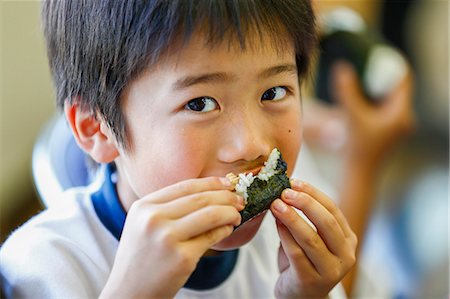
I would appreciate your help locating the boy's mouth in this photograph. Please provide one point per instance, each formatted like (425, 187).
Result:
(261, 185)
(234, 176)
(255, 171)
(246, 170)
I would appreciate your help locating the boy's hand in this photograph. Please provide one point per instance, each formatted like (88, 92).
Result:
(167, 232)
(311, 263)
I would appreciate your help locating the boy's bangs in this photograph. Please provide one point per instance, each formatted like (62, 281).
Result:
(248, 24)
(244, 24)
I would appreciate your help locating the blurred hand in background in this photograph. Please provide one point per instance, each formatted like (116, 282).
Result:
(362, 133)
(355, 126)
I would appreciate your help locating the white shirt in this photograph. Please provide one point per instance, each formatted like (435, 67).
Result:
(66, 251)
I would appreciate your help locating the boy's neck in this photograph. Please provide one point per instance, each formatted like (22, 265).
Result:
(211, 252)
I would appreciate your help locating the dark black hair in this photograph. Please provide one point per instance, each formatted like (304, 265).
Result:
(97, 47)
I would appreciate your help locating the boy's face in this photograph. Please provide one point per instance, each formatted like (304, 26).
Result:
(206, 111)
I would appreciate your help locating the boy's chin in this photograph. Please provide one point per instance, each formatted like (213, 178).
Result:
(241, 235)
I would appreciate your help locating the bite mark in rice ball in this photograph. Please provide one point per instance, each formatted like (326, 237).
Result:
(261, 190)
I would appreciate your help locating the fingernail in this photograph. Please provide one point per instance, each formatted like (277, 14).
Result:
(289, 193)
(280, 206)
(296, 183)
(226, 182)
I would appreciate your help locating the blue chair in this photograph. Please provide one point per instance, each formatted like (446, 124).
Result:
(57, 161)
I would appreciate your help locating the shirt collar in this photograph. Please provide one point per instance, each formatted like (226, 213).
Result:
(107, 204)
(210, 272)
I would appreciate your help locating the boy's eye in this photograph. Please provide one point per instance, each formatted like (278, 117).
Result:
(274, 94)
(203, 104)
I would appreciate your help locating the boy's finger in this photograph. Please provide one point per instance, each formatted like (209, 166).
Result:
(283, 261)
(188, 204)
(325, 222)
(303, 234)
(205, 241)
(295, 254)
(206, 219)
(325, 201)
(187, 187)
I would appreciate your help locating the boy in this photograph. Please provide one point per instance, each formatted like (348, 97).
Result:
(173, 95)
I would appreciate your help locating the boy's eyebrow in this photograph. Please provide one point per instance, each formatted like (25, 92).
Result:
(275, 70)
(189, 81)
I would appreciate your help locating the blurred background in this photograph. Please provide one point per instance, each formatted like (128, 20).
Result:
(26, 103)
(405, 253)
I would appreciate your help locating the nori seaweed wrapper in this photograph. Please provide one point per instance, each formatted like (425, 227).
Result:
(262, 193)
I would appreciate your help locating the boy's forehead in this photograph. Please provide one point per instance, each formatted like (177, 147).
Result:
(200, 45)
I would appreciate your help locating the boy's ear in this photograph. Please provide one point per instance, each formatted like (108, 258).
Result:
(91, 134)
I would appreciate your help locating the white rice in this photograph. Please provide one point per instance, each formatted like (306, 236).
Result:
(245, 180)
(269, 166)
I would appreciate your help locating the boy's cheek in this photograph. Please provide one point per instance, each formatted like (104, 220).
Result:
(175, 163)
(290, 135)
(290, 145)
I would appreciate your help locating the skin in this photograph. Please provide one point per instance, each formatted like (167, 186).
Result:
(171, 182)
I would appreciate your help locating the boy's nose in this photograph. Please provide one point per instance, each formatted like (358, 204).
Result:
(246, 139)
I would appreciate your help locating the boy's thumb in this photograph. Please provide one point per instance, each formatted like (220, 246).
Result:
(346, 86)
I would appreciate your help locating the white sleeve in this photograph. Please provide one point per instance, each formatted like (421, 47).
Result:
(337, 292)
(36, 264)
